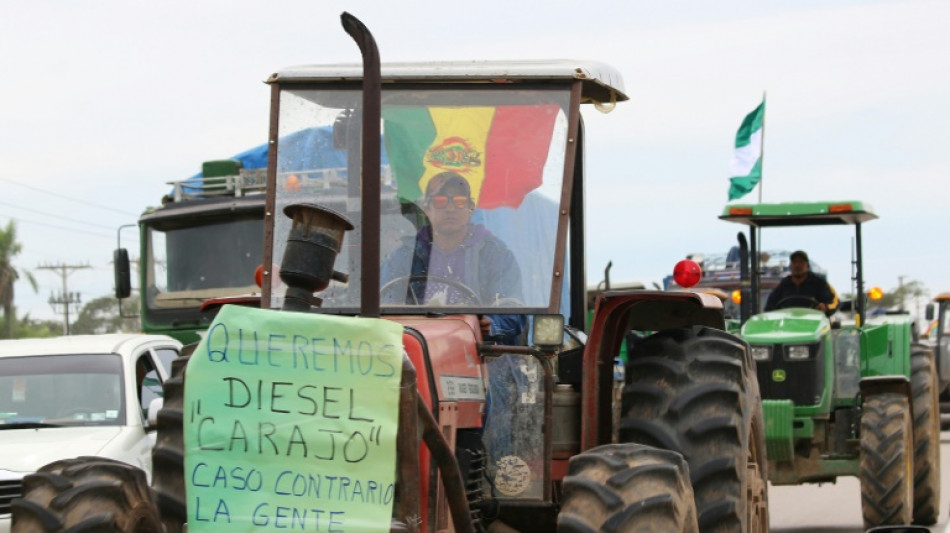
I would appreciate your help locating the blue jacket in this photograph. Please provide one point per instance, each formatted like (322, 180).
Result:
(487, 267)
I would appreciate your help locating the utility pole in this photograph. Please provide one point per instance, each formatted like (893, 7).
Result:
(65, 298)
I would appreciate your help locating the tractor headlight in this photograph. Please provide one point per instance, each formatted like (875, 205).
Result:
(761, 353)
(548, 331)
(797, 353)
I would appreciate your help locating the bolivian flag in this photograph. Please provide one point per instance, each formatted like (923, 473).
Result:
(501, 150)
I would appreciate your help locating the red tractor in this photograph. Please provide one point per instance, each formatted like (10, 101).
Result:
(464, 184)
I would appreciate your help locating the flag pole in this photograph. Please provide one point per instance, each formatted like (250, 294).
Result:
(762, 154)
(757, 259)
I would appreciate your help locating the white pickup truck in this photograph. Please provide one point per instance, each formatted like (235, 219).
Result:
(82, 395)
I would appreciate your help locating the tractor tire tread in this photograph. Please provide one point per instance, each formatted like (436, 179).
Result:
(168, 455)
(886, 445)
(926, 408)
(626, 488)
(704, 412)
(86, 495)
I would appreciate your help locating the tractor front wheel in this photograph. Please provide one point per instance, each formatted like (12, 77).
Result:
(627, 488)
(86, 494)
(926, 435)
(168, 455)
(887, 460)
(694, 391)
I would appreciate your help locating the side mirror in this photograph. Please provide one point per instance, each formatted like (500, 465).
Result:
(123, 277)
(929, 312)
(153, 408)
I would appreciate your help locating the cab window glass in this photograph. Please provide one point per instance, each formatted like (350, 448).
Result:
(166, 356)
(147, 381)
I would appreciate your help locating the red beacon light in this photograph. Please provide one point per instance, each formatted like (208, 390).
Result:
(687, 273)
(259, 275)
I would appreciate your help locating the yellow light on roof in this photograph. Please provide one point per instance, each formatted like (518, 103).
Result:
(876, 293)
(737, 296)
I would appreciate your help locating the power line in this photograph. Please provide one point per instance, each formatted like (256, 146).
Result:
(58, 217)
(51, 193)
(54, 226)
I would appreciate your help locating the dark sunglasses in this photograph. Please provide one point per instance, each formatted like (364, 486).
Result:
(442, 201)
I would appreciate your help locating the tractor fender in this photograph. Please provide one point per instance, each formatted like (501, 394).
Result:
(658, 310)
(879, 384)
(615, 314)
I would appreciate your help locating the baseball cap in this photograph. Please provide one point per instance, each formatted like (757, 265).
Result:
(442, 181)
(798, 254)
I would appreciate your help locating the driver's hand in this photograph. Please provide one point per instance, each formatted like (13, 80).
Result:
(822, 307)
(485, 325)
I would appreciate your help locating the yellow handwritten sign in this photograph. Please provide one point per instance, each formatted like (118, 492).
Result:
(290, 423)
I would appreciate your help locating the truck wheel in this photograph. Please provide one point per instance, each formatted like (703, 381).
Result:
(887, 465)
(620, 488)
(694, 391)
(926, 435)
(168, 455)
(86, 494)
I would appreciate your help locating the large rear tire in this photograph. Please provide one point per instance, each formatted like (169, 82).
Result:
(926, 435)
(887, 462)
(694, 391)
(621, 488)
(168, 455)
(86, 495)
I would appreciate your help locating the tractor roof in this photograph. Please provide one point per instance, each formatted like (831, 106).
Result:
(847, 212)
(943, 296)
(602, 83)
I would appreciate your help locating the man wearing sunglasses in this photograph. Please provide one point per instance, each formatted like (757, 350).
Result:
(450, 247)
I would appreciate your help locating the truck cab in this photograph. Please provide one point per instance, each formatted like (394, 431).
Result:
(203, 242)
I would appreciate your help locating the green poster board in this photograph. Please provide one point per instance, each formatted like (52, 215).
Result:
(290, 423)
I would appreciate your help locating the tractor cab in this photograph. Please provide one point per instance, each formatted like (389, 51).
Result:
(476, 176)
(475, 217)
(833, 395)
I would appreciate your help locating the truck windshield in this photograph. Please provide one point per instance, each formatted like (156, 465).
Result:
(61, 390)
(471, 187)
(188, 264)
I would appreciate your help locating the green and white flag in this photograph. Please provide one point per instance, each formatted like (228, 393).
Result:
(745, 168)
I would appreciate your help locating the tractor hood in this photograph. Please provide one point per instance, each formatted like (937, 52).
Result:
(785, 326)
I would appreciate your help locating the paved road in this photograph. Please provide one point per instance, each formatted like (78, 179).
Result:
(836, 508)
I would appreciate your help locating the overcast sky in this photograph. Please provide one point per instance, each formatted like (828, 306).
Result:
(103, 102)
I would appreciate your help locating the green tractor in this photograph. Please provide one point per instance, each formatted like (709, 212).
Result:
(843, 398)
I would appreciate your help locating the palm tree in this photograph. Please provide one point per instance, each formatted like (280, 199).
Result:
(9, 248)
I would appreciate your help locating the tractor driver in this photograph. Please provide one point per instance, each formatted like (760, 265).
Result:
(451, 248)
(803, 284)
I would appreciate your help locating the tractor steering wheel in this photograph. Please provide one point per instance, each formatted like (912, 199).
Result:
(798, 300)
(469, 295)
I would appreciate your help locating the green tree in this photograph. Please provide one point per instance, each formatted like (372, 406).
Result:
(102, 315)
(10, 248)
(909, 293)
(906, 295)
(27, 327)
